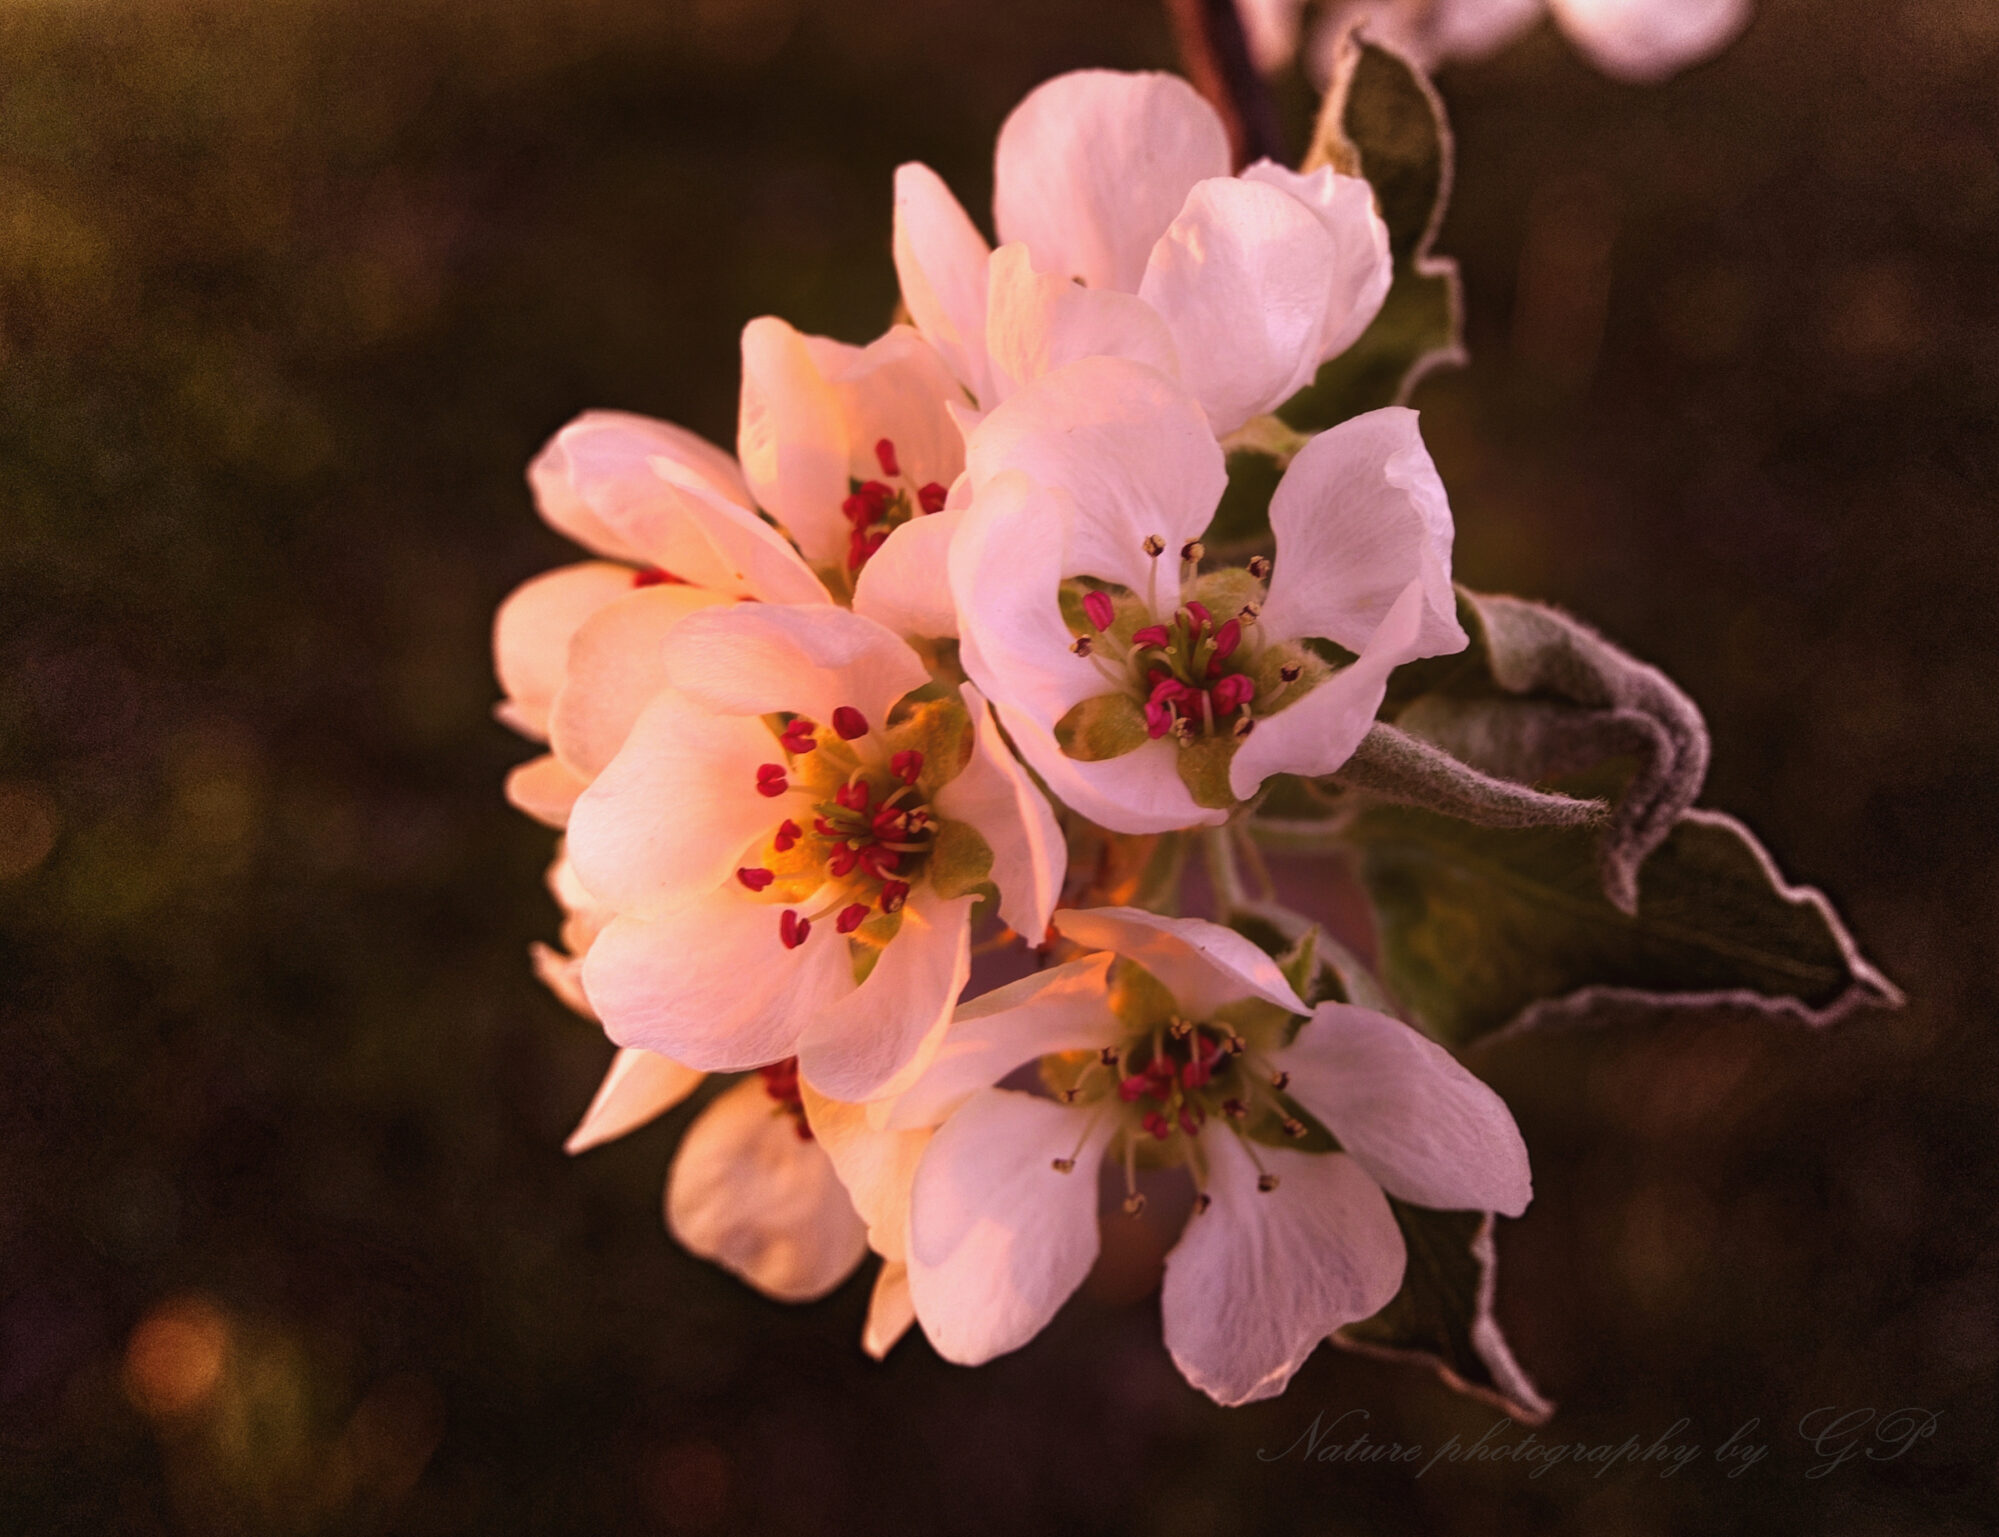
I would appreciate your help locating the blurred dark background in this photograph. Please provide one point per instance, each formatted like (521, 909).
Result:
(289, 294)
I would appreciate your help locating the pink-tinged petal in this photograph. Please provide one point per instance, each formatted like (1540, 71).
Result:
(901, 585)
(1260, 1278)
(896, 388)
(1138, 792)
(711, 985)
(792, 438)
(638, 1087)
(1408, 1112)
(1202, 964)
(1271, 28)
(759, 658)
(1066, 1008)
(669, 818)
(1037, 322)
(1319, 732)
(617, 664)
(562, 975)
(881, 1036)
(1093, 165)
(1645, 40)
(998, 1237)
(731, 550)
(890, 1310)
(545, 789)
(876, 1165)
(995, 797)
(1362, 266)
(749, 1193)
(940, 261)
(532, 630)
(1005, 571)
(1132, 450)
(1428, 35)
(583, 915)
(1359, 515)
(1242, 279)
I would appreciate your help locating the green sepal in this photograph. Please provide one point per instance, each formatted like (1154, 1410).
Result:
(960, 860)
(1102, 726)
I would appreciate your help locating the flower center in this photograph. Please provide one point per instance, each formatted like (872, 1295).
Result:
(876, 508)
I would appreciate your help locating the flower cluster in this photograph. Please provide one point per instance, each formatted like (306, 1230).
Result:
(826, 718)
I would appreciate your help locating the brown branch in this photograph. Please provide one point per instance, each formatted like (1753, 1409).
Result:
(1215, 52)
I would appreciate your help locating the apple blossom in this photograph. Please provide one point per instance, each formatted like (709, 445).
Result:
(1190, 1057)
(792, 847)
(1124, 233)
(1149, 694)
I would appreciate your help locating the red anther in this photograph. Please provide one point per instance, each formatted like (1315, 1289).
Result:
(788, 834)
(1233, 692)
(792, 929)
(755, 877)
(1190, 1121)
(876, 496)
(1160, 1068)
(1198, 612)
(906, 765)
(1131, 1088)
(654, 576)
(1158, 1125)
(1158, 720)
(797, 736)
(1227, 638)
(1098, 606)
(881, 863)
(894, 894)
(1195, 1073)
(859, 511)
(842, 860)
(890, 824)
(853, 796)
(885, 457)
(851, 917)
(771, 780)
(850, 722)
(826, 829)
(931, 498)
(781, 1082)
(1170, 690)
(1151, 635)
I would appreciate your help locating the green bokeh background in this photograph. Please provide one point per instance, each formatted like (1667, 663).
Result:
(290, 292)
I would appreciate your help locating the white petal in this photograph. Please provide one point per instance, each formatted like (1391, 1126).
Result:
(1136, 792)
(890, 1310)
(792, 438)
(749, 1193)
(1261, 1277)
(1318, 733)
(617, 664)
(1036, 323)
(1409, 1112)
(1646, 40)
(672, 815)
(876, 1165)
(532, 629)
(1362, 267)
(544, 789)
(897, 388)
(1133, 451)
(1202, 964)
(940, 260)
(1272, 31)
(994, 796)
(712, 985)
(638, 1087)
(1093, 165)
(1358, 516)
(657, 495)
(1242, 279)
(998, 1238)
(562, 975)
(903, 587)
(879, 1037)
(1066, 1008)
(758, 658)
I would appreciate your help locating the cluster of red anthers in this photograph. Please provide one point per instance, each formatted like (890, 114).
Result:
(781, 1084)
(876, 508)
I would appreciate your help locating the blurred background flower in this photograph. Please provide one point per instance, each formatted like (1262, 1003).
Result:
(289, 296)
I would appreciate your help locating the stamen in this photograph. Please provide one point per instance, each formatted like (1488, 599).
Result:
(1134, 1204)
(906, 766)
(931, 498)
(771, 782)
(793, 929)
(1149, 637)
(1227, 638)
(1234, 1109)
(755, 877)
(1244, 724)
(894, 894)
(1179, 1029)
(1280, 1081)
(797, 736)
(885, 457)
(1193, 551)
(1289, 672)
(1097, 605)
(851, 917)
(788, 834)
(1202, 1202)
(1198, 612)
(850, 723)
(1296, 1129)
(1110, 1056)
(1063, 1165)
(1154, 546)
(1082, 645)
(1265, 1183)
(1259, 567)
(653, 576)
(1249, 613)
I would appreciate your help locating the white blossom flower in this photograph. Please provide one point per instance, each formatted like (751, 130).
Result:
(1635, 40)
(1188, 1057)
(792, 847)
(1150, 695)
(1123, 233)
